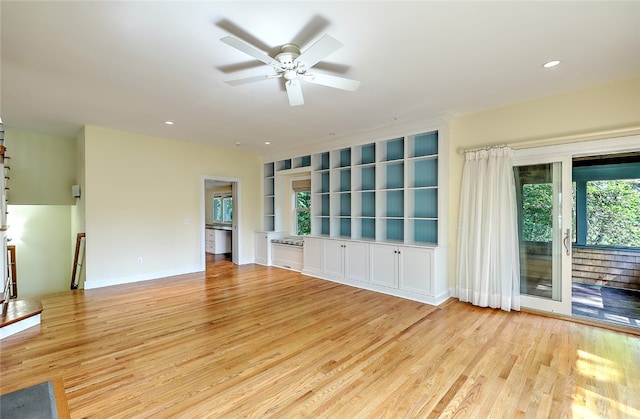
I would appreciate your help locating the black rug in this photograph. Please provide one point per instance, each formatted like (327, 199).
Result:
(35, 402)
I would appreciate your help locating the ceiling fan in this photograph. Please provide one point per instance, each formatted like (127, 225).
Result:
(292, 65)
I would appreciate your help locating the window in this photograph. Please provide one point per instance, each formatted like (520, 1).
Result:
(222, 209)
(303, 213)
(613, 213)
(607, 201)
(302, 206)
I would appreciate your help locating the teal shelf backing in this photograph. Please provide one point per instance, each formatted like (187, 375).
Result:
(269, 223)
(368, 228)
(324, 161)
(345, 157)
(268, 206)
(268, 170)
(395, 203)
(305, 161)
(425, 203)
(425, 144)
(284, 164)
(324, 182)
(345, 204)
(395, 149)
(345, 227)
(325, 226)
(324, 204)
(425, 231)
(368, 175)
(425, 173)
(368, 204)
(345, 180)
(269, 186)
(395, 176)
(368, 154)
(395, 230)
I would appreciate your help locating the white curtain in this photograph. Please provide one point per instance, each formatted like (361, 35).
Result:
(488, 272)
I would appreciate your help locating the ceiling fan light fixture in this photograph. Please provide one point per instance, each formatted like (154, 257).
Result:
(550, 64)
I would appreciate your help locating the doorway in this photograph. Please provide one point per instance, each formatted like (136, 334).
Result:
(552, 236)
(220, 220)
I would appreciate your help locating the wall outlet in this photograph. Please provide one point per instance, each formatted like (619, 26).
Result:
(139, 261)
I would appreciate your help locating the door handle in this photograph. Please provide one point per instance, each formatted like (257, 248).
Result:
(566, 241)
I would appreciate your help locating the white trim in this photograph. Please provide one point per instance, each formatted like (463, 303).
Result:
(19, 326)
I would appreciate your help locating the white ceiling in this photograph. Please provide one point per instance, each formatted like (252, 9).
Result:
(133, 65)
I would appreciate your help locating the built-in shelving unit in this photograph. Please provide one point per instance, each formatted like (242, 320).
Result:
(269, 197)
(384, 191)
(377, 213)
(271, 171)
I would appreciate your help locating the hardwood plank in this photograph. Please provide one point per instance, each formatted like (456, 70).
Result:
(254, 341)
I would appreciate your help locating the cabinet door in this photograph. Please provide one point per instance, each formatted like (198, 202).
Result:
(261, 241)
(312, 254)
(415, 270)
(333, 251)
(356, 261)
(384, 265)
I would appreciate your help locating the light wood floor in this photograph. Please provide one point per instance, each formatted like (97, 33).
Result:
(252, 341)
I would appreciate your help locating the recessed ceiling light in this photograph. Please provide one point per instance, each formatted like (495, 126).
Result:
(551, 64)
(168, 122)
(238, 144)
(267, 142)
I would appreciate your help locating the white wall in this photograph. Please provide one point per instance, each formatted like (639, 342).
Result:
(143, 198)
(41, 234)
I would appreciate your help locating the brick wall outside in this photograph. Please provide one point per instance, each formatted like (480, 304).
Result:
(612, 268)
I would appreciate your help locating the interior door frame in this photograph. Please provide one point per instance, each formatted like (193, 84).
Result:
(565, 153)
(236, 218)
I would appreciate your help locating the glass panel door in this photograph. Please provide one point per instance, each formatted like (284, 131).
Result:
(545, 234)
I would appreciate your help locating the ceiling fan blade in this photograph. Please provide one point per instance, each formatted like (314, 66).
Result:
(332, 81)
(324, 47)
(253, 79)
(294, 91)
(249, 50)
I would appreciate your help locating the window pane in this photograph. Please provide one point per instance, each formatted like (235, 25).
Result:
(227, 208)
(537, 204)
(217, 209)
(303, 213)
(613, 213)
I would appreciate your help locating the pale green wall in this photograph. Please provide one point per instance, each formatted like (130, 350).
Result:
(41, 236)
(43, 168)
(599, 108)
(144, 199)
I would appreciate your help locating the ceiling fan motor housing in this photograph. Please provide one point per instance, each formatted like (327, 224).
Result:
(288, 54)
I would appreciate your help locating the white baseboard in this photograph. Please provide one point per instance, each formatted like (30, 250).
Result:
(141, 277)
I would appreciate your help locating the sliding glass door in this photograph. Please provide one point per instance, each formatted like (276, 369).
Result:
(543, 195)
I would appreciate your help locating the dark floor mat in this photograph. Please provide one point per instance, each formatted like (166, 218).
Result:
(35, 402)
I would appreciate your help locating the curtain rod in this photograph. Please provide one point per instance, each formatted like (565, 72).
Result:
(598, 135)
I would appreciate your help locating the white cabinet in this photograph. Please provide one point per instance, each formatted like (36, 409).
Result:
(262, 240)
(346, 259)
(217, 241)
(406, 268)
(384, 265)
(312, 256)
